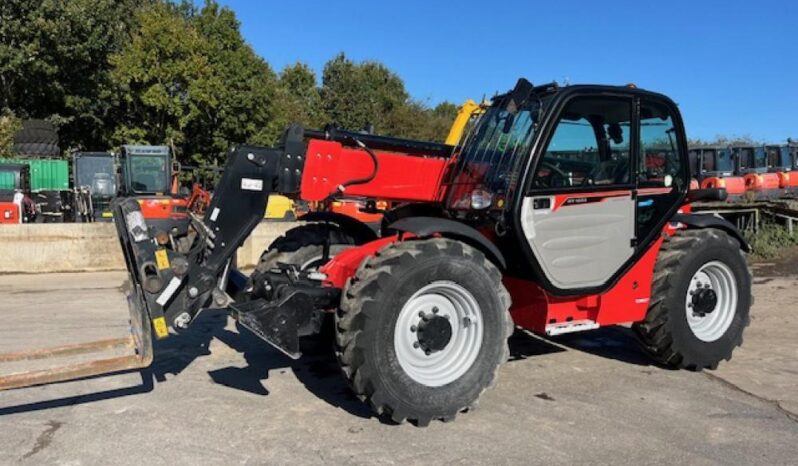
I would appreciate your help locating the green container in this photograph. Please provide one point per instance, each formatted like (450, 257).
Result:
(7, 181)
(45, 174)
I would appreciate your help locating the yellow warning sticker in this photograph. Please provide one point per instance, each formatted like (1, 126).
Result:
(161, 259)
(159, 325)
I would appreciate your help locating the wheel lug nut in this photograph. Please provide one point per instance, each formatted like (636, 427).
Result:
(413, 328)
(416, 344)
(421, 314)
(434, 310)
(427, 352)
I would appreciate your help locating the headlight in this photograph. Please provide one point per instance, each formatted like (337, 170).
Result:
(481, 199)
(136, 225)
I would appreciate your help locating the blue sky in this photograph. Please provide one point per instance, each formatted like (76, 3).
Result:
(732, 66)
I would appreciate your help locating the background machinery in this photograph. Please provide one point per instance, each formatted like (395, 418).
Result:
(563, 209)
(16, 205)
(151, 175)
(760, 181)
(95, 184)
(718, 167)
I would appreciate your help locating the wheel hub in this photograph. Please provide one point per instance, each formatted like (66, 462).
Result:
(438, 333)
(711, 301)
(434, 333)
(704, 301)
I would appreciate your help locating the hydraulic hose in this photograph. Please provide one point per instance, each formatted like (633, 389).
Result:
(342, 187)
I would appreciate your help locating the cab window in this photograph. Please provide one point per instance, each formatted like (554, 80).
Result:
(660, 161)
(589, 147)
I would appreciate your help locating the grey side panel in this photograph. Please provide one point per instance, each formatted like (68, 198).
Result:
(580, 246)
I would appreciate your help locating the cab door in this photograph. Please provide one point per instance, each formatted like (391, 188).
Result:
(662, 174)
(578, 213)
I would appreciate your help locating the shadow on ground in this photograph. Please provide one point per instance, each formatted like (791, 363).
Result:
(317, 370)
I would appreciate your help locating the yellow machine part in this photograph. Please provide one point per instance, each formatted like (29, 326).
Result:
(280, 207)
(468, 110)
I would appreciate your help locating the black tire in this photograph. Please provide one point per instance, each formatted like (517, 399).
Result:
(371, 305)
(38, 124)
(36, 136)
(37, 149)
(298, 246)
(665, 332)
(284, 248)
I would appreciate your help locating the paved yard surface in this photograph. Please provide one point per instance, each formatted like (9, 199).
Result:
(215, 396)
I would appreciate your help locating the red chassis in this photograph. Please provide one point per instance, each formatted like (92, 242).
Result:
(410, 178)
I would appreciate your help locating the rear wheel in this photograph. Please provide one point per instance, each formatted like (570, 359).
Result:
(700, 300)
(423, 328)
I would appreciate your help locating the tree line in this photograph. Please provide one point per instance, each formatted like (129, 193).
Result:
(113, 72)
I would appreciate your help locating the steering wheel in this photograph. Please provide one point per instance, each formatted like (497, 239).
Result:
(608, 171)
(555, 170)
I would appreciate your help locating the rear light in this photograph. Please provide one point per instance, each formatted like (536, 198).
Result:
(721, 183)
(7, 214)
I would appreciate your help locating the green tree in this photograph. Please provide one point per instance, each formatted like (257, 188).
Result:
(9, 124)
(162, 81)
(53, 61)
(244, 86)
(298, 99)
(355, 95)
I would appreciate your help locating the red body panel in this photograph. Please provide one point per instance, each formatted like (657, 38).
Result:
(345, 264)
(734, 185)
(9, 213)
(762, 182)
(583, 198)
(162, 208)
(788, 180)
(353, 209)
(534, 309)
(399, 178)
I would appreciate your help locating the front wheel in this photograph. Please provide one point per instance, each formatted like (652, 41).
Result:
(423, 328)
(700, 301)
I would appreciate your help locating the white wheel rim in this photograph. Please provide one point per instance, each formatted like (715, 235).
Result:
(460, 308)
(719, 278)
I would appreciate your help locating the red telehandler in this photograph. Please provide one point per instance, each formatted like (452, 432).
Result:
(564, 209)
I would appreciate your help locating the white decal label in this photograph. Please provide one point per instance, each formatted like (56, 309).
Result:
(251, 184)
(174, 283)
(215, 214)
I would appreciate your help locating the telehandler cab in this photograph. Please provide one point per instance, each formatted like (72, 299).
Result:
(563, 209)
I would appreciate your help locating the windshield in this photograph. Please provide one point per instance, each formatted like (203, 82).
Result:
(97, 174)
(778, 157)
(724, 162)
(148, 174)
(751, 158)
(9, 179)
(492, 150)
